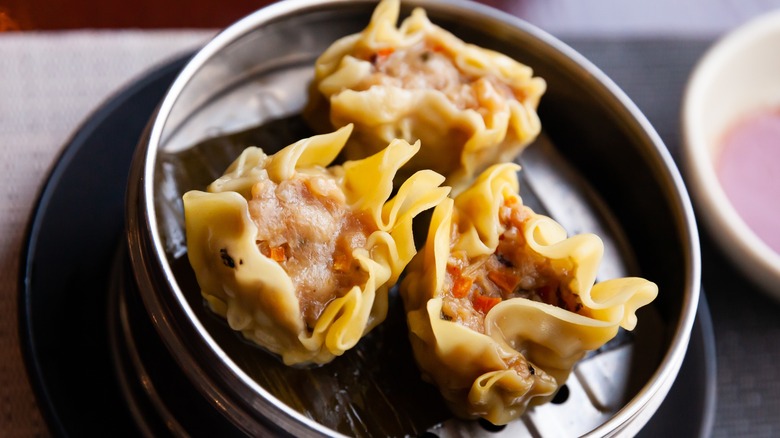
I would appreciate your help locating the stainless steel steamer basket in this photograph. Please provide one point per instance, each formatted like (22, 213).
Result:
(599, 166)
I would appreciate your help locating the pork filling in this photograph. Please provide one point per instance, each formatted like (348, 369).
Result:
(475, 285)
(305, 225)
(427, 65)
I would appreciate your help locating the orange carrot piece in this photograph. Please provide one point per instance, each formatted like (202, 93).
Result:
(461, 287)
(387, 51)
(277, 254)
(484, 303)
(506, 282)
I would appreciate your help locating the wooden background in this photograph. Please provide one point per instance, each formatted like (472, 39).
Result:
(591, 17)
(102, 14)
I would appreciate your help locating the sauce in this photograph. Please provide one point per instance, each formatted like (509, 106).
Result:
(749, 171)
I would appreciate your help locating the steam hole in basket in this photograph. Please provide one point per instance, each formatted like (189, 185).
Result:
(561, 396)
(490, 427)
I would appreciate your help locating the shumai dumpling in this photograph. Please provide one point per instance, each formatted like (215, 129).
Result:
(501, 304)
(470, 106)
(298, 256)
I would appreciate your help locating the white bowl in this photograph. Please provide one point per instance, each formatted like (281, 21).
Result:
(738, 75)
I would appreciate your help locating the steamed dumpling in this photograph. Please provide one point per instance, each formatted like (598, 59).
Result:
(297, 256)
(501, 304)
(470, 106)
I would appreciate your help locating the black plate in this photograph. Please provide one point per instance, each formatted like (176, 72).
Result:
(73, 235)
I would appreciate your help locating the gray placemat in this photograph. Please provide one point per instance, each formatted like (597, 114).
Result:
(49, 84)
(746, 321)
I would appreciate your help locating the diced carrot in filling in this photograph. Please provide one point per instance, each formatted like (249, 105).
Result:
(483, 303)
(513, 271)
(461, 287)
(277, 254)
(305, 225)
(453, 270)
(385, 52)
(429, 66)
(506, 281)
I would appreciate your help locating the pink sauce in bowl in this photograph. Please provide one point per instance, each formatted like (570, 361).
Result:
(749, 171)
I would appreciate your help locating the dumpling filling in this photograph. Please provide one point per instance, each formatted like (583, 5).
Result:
(306, 226)
(427, 65)
(501, 303)
(514, 270)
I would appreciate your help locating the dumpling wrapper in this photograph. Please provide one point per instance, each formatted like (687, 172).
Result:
(254, 292)
(471, 369)
(459, 140)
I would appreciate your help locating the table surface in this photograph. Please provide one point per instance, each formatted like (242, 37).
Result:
(37, 115)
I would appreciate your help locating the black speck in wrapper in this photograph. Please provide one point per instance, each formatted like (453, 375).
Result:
(226, 259)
